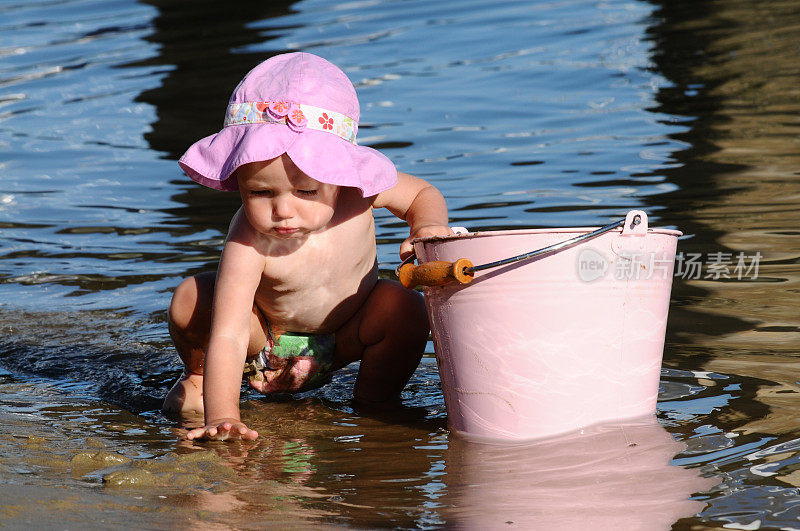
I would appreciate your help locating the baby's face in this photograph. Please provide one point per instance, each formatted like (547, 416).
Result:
(283, 202)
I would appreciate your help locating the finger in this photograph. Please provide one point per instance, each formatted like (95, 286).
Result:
(219, 433)
(258, 385)
(223, 431)
(292, 377)
(278, 380)
(241, 431)
(302, 371)
(246, 434)
(197, 433)
(406, 249)
(273, 383)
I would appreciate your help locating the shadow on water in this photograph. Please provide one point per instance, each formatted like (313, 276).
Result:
(732, 66)
(200, 48)
(678, 50)
(194, 44)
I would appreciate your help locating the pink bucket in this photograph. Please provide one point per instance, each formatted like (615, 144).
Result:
(554, 343)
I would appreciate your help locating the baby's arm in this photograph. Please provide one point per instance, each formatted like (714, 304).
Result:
(238, 276)
(420, 204)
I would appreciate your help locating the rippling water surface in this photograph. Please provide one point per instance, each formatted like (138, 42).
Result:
(524, 114)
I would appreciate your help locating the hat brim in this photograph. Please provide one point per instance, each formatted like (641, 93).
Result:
(322, 156)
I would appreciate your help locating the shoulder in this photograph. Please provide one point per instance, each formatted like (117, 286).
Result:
(240, 227)
(241, 232)
(243, 241)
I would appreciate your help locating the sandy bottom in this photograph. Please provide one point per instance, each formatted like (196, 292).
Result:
(88, 465)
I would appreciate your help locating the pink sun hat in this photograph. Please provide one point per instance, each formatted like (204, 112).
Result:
(301, 105)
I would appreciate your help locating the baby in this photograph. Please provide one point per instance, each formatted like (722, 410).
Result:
(297, 293)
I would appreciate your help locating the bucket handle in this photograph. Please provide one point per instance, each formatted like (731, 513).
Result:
(439, 273)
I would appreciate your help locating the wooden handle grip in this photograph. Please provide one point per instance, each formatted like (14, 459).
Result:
(435, 273)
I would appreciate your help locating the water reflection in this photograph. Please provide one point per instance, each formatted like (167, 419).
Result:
(199, 76)
(314, 463)
(738, 187)
(734, 68)
(344, 468)
(200, 50)
(614, 476)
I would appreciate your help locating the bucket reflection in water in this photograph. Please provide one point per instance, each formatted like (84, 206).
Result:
(611, 476)
(552, 344)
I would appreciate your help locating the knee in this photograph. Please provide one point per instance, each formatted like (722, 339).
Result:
(403, 313)
(413, 311)
(184, 306)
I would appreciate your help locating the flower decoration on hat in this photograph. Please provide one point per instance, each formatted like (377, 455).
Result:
(326, 121)
(296, 116)
(279, 109)
(296, 120)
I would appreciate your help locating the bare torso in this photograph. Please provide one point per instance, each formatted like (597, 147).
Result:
(316, 284)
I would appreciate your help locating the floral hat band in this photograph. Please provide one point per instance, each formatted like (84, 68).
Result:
(296, 116)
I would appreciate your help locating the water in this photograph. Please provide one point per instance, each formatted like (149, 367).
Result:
(524, 114)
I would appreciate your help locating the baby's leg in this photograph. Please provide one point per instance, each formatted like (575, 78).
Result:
(190, 326)
(388, 334)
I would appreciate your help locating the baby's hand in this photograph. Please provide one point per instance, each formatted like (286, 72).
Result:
(285, 375)
(422, 232)
(222, 429)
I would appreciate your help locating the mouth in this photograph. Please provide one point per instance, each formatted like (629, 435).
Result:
(285, 231)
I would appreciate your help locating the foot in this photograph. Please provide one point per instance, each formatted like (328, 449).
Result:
(185, 399)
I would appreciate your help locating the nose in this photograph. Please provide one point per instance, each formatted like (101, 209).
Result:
(282, 208)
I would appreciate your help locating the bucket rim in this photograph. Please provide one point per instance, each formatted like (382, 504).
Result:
(553, 230)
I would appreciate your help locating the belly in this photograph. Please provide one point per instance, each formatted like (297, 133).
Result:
(316, 290)
(315, 308)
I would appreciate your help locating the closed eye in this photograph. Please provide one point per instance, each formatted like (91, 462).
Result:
(261, 193)
(309, 193)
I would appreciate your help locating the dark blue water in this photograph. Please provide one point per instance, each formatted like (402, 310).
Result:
(524, 114)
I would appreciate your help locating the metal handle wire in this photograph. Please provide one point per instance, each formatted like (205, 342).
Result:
(556, 246)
